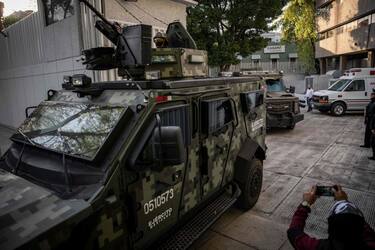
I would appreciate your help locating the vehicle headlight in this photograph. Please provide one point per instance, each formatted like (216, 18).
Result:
(323, 99)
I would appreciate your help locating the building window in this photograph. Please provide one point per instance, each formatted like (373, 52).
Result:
(292, 63)
(256, 63)
(57, 10)
(274, 64)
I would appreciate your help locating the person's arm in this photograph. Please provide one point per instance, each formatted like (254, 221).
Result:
(296, 235)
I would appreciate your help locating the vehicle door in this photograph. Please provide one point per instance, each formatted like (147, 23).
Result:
(355, 95)
(217, 123)
(156, 188)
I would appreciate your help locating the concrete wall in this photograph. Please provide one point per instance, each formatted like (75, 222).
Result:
(340, 11)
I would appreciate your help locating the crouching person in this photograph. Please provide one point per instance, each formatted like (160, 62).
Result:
(347, 228)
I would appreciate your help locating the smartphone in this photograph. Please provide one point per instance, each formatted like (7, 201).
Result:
(325, 191)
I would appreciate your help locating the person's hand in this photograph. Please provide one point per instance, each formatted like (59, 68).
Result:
(373, 131)
(340, 195)
(310, 197)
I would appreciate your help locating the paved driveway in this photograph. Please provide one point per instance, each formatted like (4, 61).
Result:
(320, 150)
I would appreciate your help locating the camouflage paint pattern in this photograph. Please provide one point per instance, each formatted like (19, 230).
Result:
(183, 67)
(43, 220)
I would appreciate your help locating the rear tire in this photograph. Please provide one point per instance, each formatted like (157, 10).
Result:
(250, 190)
(338, 109)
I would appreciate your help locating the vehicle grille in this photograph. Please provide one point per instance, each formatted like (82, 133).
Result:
(280, 107)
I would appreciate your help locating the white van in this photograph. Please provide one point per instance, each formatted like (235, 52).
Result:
(351, 92)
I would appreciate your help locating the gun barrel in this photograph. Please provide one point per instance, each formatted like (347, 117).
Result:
(89, 5)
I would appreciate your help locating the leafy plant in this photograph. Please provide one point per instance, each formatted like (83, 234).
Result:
(230, 29)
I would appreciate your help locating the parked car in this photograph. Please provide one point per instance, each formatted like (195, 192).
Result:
(350, 92)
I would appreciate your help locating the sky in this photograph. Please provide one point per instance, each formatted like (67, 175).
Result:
(13, 5)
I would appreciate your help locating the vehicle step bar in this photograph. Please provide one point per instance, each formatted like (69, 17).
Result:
(194, 228)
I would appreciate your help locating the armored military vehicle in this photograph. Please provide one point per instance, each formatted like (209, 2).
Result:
(283, 108)
(149, 162)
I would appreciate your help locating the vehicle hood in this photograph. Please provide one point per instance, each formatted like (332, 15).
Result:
(279, 94)
(325, 93)
(28, 210)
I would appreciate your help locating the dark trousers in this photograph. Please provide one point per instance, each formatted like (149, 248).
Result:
(373, 145)
(309, 104)
(368, 135)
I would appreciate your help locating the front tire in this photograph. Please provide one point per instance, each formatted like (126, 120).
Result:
(291, 126)
(250, 190)
(338, 109)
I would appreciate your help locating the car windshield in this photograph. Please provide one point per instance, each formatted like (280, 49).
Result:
(275, 85)
(339, 85)
(75, 129)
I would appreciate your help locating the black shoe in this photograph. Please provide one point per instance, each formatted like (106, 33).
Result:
(372, 158)
(365, 146)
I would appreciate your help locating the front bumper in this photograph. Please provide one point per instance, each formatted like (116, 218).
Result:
(322, 106)
(283, 120)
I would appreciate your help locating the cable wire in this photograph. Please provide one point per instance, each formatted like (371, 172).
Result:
(127, 11)
(147, 13)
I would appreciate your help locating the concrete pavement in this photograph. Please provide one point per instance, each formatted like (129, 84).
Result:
(320, 150)
(5, 133)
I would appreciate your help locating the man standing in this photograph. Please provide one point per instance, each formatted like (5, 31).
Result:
(370, 112)
(309, 96)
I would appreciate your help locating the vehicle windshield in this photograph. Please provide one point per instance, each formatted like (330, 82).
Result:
(339, 85)
(75, 129)
(275, 85)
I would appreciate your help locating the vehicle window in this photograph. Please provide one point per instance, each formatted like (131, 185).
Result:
(177, 116)
(75, 129)
(356, 85)
(251, 100)
(216, 114)
(339, 85)
(275, 85)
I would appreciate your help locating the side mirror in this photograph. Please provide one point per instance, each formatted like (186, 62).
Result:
(169, 146)
(291, 90)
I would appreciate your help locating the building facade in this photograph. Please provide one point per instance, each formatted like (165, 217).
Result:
(346, 34)
(45, 46)
(275, 57)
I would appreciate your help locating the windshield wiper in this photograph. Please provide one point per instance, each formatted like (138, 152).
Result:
(15, 170)
(65, 167)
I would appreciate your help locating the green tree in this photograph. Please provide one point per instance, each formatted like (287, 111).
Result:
(298, 25)
(9, 20)
(228, 29)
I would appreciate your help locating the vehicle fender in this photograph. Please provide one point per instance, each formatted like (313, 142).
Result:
(250, 149)
(337, 101)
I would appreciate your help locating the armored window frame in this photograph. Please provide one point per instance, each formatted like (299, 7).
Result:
(216, 114)
(251, 100)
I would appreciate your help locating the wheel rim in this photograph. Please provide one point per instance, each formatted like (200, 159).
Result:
(256, 184)
(339, 109)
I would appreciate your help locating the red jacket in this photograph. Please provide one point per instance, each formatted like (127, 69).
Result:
(302, 241)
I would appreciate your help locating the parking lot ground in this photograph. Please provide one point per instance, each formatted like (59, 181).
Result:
(322, 149)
